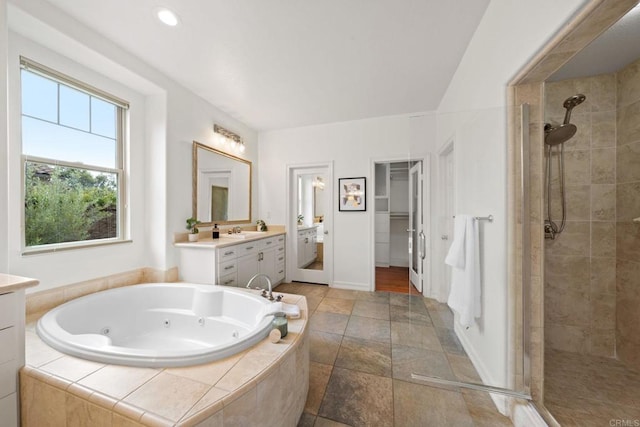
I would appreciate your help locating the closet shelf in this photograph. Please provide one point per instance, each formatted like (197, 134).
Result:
(399, 214)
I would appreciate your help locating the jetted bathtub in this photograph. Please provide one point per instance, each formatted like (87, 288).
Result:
(158, 324)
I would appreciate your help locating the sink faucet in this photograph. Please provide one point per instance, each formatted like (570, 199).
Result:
(268, 295)
(237, 229)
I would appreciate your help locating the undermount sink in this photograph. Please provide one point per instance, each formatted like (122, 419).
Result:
(245, 234)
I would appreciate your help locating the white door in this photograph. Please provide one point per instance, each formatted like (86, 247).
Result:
(417, 238)
(310, 253)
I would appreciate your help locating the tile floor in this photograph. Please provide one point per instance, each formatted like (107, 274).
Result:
(583, 390)
(364, 347)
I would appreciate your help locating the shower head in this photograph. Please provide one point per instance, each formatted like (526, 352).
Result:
(559, 134)
(554, 135)
(574, 100)
(570, 103)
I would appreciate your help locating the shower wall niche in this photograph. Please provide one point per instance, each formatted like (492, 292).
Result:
(592, 269)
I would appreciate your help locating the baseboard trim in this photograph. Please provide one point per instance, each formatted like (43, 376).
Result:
(500, 401)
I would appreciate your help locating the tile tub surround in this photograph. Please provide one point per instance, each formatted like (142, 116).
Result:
(264, 385)
(39, 302)
(361, 361)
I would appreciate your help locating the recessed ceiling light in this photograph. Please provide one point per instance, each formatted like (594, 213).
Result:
(167, 17)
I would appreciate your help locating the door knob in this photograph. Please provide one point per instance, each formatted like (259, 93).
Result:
(444, 237)
(326, 232)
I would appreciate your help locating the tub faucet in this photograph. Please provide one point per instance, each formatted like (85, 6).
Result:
(268, 295)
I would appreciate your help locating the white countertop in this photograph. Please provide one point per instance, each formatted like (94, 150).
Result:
(10, 283)
(306, 227)
(209, 243)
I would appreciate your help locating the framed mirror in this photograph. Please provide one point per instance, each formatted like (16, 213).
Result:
(221, 187)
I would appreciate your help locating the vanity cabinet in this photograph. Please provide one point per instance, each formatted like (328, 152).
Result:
(8, 359)
(232, 264)
(307, 246)
(264, 256)
(12, 313)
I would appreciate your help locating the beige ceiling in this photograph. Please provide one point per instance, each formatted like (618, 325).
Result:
(287, 63)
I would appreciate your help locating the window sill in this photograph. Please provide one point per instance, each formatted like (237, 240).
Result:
(39, 250)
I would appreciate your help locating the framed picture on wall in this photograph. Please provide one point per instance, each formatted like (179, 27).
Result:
(353, 194)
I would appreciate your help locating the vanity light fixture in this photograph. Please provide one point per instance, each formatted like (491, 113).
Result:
(167, 16)
(226, 137)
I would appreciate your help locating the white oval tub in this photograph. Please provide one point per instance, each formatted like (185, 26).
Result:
(158, 324)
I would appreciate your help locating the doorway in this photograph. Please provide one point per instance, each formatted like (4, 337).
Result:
(310, 215)
(400, 241)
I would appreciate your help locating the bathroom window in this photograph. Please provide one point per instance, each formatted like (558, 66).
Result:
(73, 161)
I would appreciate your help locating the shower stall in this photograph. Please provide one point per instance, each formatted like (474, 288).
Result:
(592, 248)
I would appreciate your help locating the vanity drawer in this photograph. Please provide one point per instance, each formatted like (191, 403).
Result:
(229, 280)
(9, 410)
(227, 267)
(279, 272)
(267, 243)
(8, 344)
(8, 372)
(280, 250)
(280, 239)
(8, 304)
(228, 253)
(247, 248)
(280, 257)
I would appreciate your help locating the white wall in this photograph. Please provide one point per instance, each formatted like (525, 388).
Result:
(473, 113)
(165, 121)
(351, 146)
(191, 118)
(4, 141)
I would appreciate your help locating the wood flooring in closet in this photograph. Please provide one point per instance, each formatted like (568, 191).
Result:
(394, 279)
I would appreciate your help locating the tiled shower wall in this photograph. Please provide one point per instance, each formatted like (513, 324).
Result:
(628, 208)
(580, 264)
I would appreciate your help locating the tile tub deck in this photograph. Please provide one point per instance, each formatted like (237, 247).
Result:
(266, 384)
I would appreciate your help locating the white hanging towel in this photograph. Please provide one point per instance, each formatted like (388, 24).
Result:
(464, 257)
